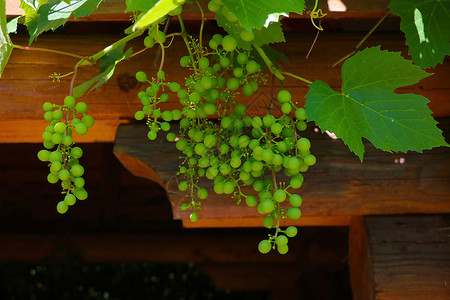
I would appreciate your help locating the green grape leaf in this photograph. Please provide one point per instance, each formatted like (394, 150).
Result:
(6, 45)
(157, 11)
(368, 107)
(139, 5)
(254, 13)
(265, 35)
(11, 26)
(107, 65)
(426, 24)
(55, 13)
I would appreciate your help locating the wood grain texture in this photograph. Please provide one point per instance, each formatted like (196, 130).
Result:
(338, 186)
(409, 255)
(25, 84)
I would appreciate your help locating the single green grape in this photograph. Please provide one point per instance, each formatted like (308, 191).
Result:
(80, 193)
(229, 43)
(76, 152)
(185, 61)
(268, 221)
(77, 170)
(279, 195)
(88, 121)
(193, 217)
(69, 101)
(294, 213)
(70, 199)
(284, 96)
(81, 107)
(47, 106)
(81, 129)
(62, 207)
(264, 246)
(291, 231)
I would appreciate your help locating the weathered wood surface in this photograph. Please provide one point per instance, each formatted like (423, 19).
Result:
(400, 257)
(337, 187)
(25, 84)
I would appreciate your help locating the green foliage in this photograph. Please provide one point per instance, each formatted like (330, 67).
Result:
(426, 25)
(139, 5)
(54, 13)
(107, 67)
(159, 10)
(368, 106)
(6, 45)
(254, 13)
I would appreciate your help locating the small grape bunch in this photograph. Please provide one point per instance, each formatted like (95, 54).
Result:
(60, 152)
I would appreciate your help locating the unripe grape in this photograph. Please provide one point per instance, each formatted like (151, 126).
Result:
(225, 62)
(70, 199)
(56, 138)
(160, 37)
(47, 106)
(202, 193)
(281, 240)
(309, 159)
(268, 222)
(229, 43)
(184, 206)
(218, 188)
(286, 108)
(69, 101)
(247, 36)
(276, 128)
(55, 156)
(185, 61)
(247, 90)
(139, 115)
(88, 121)
(228, 187)
(294, 213)
(301, 125)
(279, 195)
(252, 67)
(43, 155)
(55, 167)
(267, 206)
(213, 44)
(183, 186)
(203, 63)
(76, 152)
(63, 174)
(81, 129)
(291, 231)
(149, 42)
(193, 217)
(62, 207)
(80, 193)
(161, 74)
(251, 201)
(226, 122)
(52, 178)
(300, 113)
(284, 96)
(152, 135)
(233, 84)
(177, 11)
(264, 246)
(268, 120)
(48, 116)
(283, 249)
(78, 182)
(238, 72)
(57, 114)
(77, 170)
(81, 107)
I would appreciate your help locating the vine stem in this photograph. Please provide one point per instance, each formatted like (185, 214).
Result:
(200, 38)
(52, 51)
(273, 69)
(115, 45)
(363, 39)
(296, 77)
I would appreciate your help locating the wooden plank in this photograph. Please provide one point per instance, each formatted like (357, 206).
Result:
(337, 187)
(401, 257)
(25, 84)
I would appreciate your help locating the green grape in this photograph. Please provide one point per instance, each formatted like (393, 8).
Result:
(200, 149)
(268, 222)
(233, 84)
(176, 114)
(203, 63)
(257, 122)
(160, 36)
(88, 121)
(165, 126)
(292, 163)
(167, 115)
(63, 174)
(77, 170)
(283, 249)
(56, 138)
(164, 97)
(247, 36)
(183, 186)
(267, 155)
(264, 246)
(185, 123)
(48, 145)
(80, 193)
(268, 120)
(202, 193)
(240, 109)
(309, 159)
(81, 129)
(213, 44)
(171, 136)
(238, 72)
(243, 141)
(69, 101)
(276, 128)
(47, 106)
(252, 67)
(75, 121)
(174, 87)
(78, 182)
(296, 181)
(267, 206)
(295, 200)
(282, 147)
(300, 114)
(76, 152)
(281, 240)
(242, 58)
(192, 161)
(149, 42)
(225, 62)
(184, 206)
(57, 114)
(229, 43)
(219, 188)
(43, 155)
(193, 217)
(52, 178)
(294, 213)
(286, 108)
(235, 162)
(62, 207)
(228, 187)
(284, 96)
(301, 125)
(81, 107)
(206, 82)
(254, 85)
(221, 82)
(195, 97)
(291, 231)
(277, 160)
(152, 135)
(185, 61)
(70, 199)
(203, 162)
(226, 122)
(209, 109)
(251, 201)
(55, 167)
(225, 169)
(48, 116)
(139, 115)
(247, 90)
(141, 76)
(279, 195)
(55, 156)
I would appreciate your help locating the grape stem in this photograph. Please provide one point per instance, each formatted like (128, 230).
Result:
(53, 51)
(184, 35)
(362, 40)
(273, 69)
(296, 77)
(200, 38)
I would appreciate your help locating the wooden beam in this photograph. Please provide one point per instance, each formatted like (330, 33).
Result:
(25, 83)
(337, 187)
(400, 257)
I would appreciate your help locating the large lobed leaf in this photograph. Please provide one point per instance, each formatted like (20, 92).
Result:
(157, 11)
(426, 24)
(254, 13)
(6, 45)
(369, 108)
(53, 13)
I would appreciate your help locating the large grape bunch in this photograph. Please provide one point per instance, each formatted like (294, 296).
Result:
(219, 141)
(60, 151)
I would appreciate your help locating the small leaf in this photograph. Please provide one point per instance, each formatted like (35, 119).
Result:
(426, 24)
(159, 10)
(11, 26)
(6, 45)
(368, 107)
(254, 13)
(107, 66)
(139, 5)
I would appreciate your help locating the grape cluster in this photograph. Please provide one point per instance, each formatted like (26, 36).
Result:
(63, 160)
(237, 150)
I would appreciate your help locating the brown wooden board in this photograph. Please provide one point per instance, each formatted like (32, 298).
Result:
(337, 187)
(400, 257)
(25, 84)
